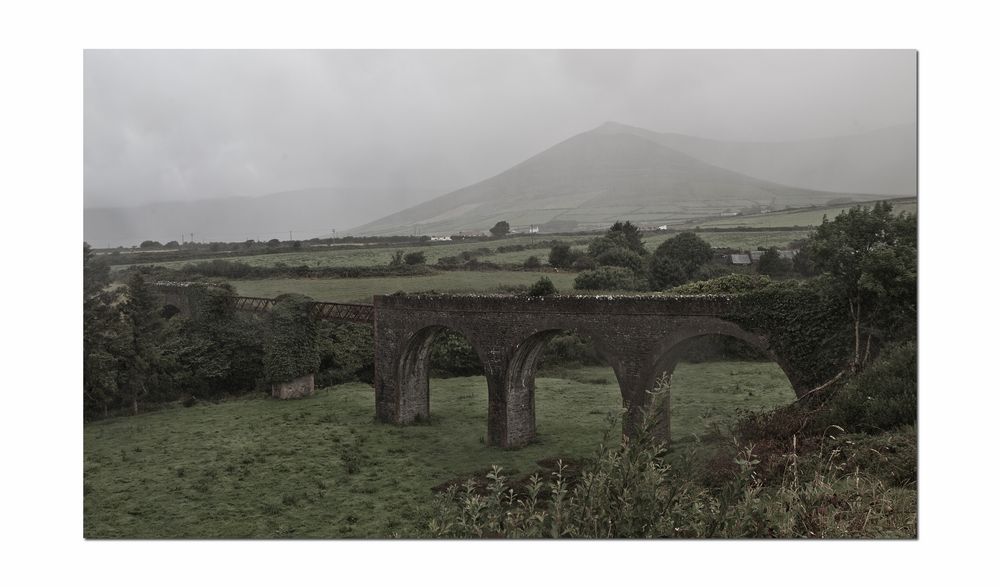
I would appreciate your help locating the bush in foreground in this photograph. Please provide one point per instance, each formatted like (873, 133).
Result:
(630, 490)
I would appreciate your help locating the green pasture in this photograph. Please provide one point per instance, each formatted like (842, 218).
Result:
(811, 217)
(317, 257)
(321, 467)
(366, 256)
(362, 289)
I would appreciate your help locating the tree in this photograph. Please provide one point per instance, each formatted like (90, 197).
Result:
(137, 349)
(100, 377)
(772, 265)
(688, 249)
(500, 229)
(397, 259)
(150, 245)
(532, 262)
(606, 278)
(624, 235)
(666, 272)
(542, 287)
(621, 257)
(871, 256)
(561, 255)
(415, 258)
(216, 350)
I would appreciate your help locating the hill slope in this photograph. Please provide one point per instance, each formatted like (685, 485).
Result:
(595, 177)
(880, 162)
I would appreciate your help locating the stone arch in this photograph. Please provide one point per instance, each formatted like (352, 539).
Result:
(413, 370)
(669, 349)
(519, 379)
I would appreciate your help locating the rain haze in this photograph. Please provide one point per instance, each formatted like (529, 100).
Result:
(375, 132)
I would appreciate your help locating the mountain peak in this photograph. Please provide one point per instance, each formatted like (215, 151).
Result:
(615, 127)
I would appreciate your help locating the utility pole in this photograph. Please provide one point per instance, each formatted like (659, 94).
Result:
(192, 237)
(289, 236)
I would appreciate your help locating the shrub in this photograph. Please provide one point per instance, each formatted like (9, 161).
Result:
(665, 272)
(772, 264)
(584, 262)
(569, 348)
(415, 258)
(630, 490)
(453, 356)
(542, 287)
(345, 353)
(607, 279)
(688, 249)
(621, 257)
(562, 256)
(881, 397)
(728, 284)
(532, 262)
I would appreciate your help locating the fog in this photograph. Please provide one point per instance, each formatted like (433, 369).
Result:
(185, 125)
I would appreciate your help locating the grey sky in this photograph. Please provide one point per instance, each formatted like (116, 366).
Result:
(186, 125)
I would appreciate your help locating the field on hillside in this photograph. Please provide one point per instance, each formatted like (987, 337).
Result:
(320, 467)
(812, 217)
(363, 288)
(376, 255)
(746, 241)
(381, 256)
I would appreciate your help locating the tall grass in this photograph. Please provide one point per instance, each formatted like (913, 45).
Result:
(631, 490)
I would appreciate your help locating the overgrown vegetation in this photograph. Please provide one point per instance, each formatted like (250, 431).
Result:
(290, 348)
(633, 489)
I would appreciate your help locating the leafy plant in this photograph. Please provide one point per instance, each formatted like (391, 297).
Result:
(542, 287)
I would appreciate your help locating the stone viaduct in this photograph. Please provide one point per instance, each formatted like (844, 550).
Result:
(641, 337)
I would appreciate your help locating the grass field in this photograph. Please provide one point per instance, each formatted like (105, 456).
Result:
(320, 467)
(812, 217)
(380, 255)
(747, 241)
(362, 289)
(373, 256)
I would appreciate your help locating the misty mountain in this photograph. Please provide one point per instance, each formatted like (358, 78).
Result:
(307, 213)
(609, 173)
(880, 162)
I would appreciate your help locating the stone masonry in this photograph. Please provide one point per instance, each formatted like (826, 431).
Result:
(640, 337)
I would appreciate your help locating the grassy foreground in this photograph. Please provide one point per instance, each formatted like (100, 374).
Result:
(321, 468)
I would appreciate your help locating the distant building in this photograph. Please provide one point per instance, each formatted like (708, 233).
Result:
(440, 238)
(739, 259)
